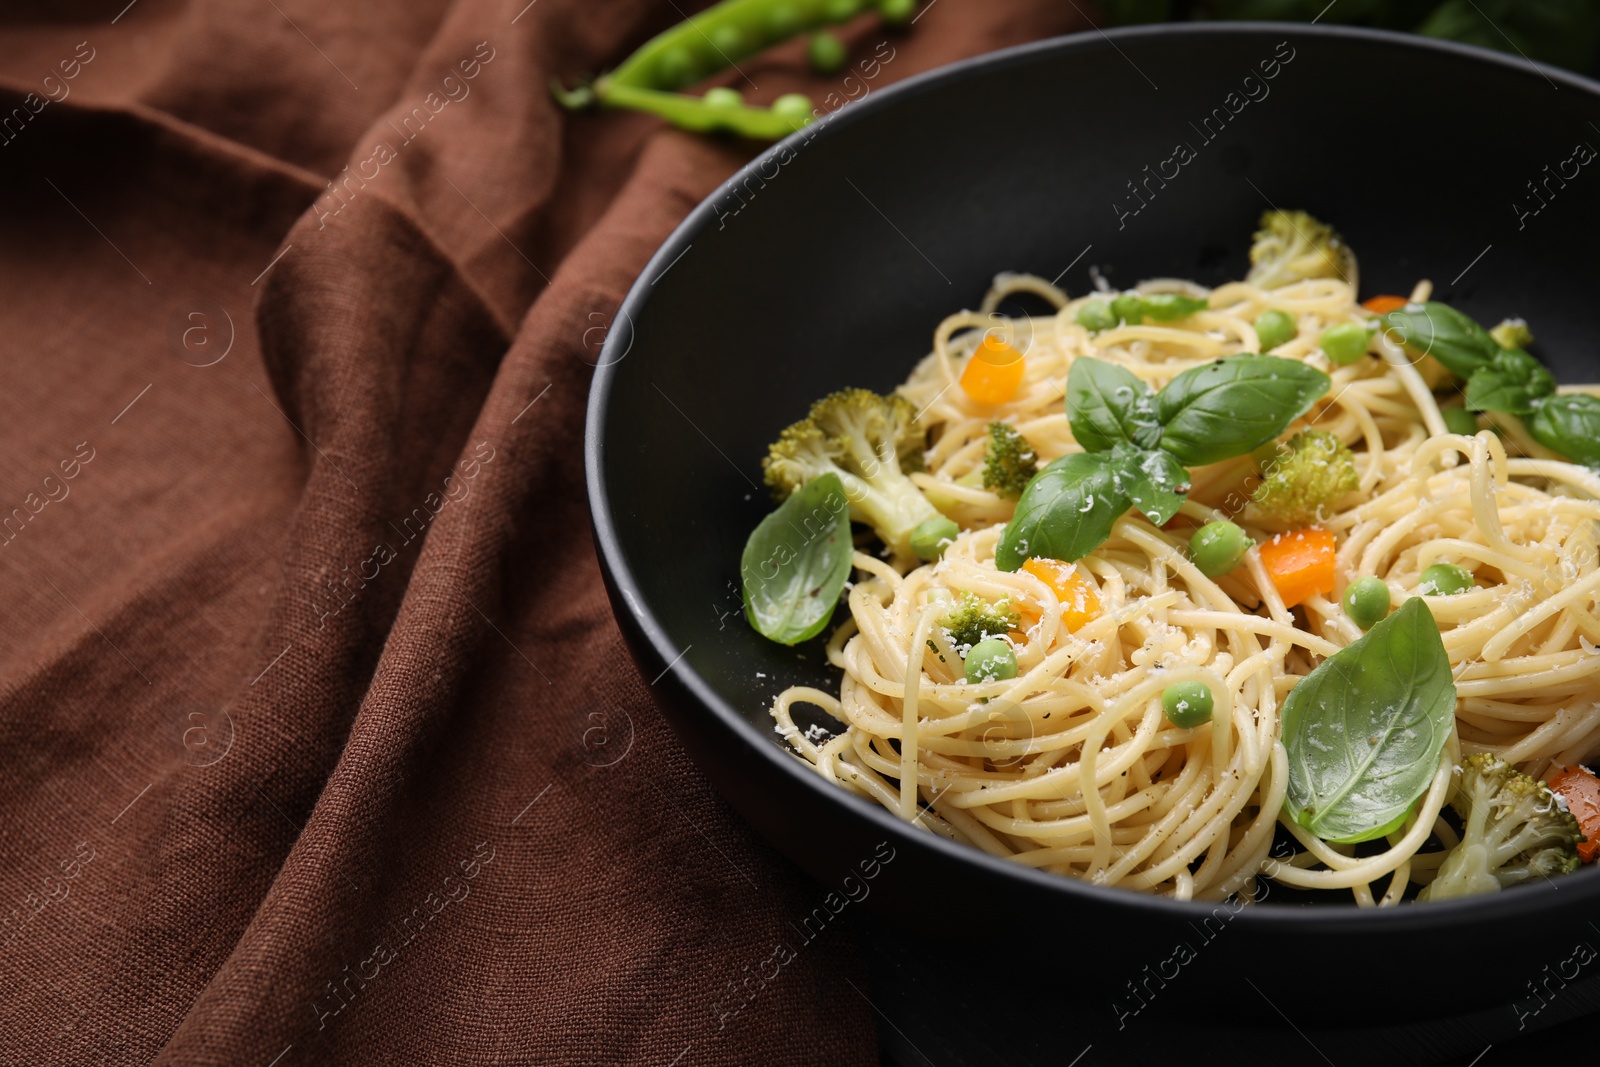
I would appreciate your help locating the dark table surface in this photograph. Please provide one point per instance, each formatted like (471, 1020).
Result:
(926, 1019)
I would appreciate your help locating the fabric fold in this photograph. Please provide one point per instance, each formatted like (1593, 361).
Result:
(321, 745)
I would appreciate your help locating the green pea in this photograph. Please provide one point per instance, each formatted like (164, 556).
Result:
(1273, 328)
(1096, 316)
(1460, 420)
(932, 537)
(991, 660)
(1170, 307)
(722, 97)
(1217, 547)
(1367, 602)
(792, 105)
(1187, 704)
(1345, 343)
(729, 40)
(783, 22)
(676, 68)
(826, 52)
(896, 12)
(1445, 579)
(841, 10)
(1128, 308)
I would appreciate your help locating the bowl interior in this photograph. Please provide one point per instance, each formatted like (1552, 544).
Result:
(830, 261)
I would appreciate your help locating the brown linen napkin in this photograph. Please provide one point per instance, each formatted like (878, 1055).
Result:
(317, 740)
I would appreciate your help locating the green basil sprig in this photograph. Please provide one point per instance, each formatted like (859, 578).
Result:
(1139, 444)
(796, 562)
(1513, 382)
(1505, 380)
(1365, 729)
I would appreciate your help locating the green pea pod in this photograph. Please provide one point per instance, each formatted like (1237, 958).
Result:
(721, 35)
(715, 40)
(693, 113)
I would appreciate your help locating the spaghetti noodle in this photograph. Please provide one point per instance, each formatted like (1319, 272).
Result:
(1070, 765)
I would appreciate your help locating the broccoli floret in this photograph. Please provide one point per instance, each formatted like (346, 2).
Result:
(1312, 472)
(1514, 829)
(1291, 246)
(870, 442)
(1512, 333)
(974, 619)
(1011, 461)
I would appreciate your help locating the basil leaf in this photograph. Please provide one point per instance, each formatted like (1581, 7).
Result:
(1365, 729)
(1511, 383)
(1440, 331)
(1153, 480)
(1231, 406)
(1066, 512)
(796, 562)
(1107, 404)
(1568, 424)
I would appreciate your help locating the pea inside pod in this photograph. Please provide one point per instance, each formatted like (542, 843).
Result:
(720, 115)
(719, 37)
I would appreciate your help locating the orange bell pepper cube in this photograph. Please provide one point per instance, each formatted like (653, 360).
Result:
(1581, 791)
(994, 373)
(1300, 563)
(1382, 305)
(1080, 601)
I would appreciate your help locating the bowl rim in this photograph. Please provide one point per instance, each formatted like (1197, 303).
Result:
(1333, 919)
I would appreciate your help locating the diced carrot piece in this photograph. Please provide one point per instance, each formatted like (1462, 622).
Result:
(994, 373)
(1581, 791)
(1300, 563)
(1382, 305)
(1080, 601)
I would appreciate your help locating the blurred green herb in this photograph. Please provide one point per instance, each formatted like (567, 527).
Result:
(1565, 33)
(1506, 380)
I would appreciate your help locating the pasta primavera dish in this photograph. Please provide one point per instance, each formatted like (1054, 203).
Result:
(1180, 588)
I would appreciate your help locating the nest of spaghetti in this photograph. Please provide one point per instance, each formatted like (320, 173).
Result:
(1073, 760)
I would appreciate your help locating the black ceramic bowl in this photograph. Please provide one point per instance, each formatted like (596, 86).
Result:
(829, 260)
